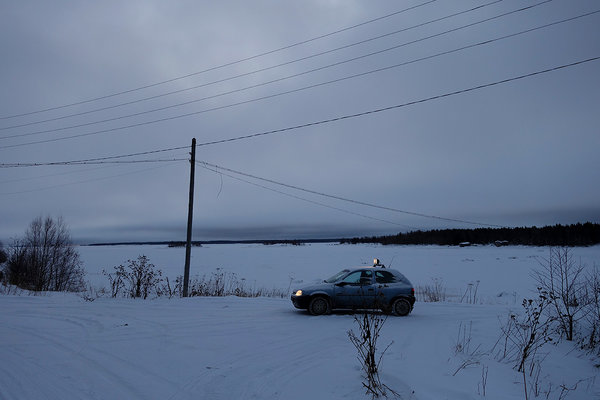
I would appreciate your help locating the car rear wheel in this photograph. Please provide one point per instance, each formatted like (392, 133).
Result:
(401, 307)
(319, 306)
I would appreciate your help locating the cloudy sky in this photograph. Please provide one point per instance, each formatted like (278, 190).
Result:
(475, 123)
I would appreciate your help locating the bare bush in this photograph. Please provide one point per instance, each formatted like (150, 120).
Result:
(370, 324)
(45, 259)
(8, 289)
(469, 355)
(3, 259)
(463, 340)
(523, 336)
(482, 386)
(222, 283)
(562, 279)
(170, 290)
(139, 279)
(92, 293)
(470, 294)
(116, 280)
(433, 292)
(142, 277)
(591, 339)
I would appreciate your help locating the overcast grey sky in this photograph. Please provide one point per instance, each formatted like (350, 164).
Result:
(523, 152)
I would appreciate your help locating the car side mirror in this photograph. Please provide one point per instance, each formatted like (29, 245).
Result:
(341, 284)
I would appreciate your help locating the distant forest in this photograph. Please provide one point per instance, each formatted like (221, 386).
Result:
(586, 234)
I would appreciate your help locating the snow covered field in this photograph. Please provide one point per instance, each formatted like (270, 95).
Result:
(59, 346)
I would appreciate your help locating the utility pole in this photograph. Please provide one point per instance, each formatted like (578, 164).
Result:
(188, 245)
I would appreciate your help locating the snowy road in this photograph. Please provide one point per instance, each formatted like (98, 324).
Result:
(62, 347)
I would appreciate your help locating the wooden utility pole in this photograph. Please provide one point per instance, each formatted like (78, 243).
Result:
(188, 245)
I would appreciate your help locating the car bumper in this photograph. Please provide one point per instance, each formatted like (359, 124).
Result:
(300, 301)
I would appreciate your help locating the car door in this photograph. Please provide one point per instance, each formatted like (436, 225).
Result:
(355, 291)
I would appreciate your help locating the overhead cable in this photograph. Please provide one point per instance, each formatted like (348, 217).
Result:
(362, 203)
(222, 65)
(137, 114)
(71, 172)
(349, 116)
(85, 162)
(310, 87)
(37, 189)
(75, 162)
(208, 167)
(258, 71)
(397, 106)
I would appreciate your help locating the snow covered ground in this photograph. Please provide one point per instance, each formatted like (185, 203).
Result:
(59, 346)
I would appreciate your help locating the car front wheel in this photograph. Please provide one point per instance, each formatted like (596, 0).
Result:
(401, 307)
(319, 306)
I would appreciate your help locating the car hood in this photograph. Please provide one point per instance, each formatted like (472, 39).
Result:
(316, 287)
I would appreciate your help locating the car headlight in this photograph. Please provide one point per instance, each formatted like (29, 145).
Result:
(298, 293)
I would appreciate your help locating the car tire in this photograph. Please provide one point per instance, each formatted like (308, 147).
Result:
(401, 307)
(319, 306)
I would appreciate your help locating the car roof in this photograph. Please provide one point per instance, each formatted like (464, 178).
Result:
(370, 267)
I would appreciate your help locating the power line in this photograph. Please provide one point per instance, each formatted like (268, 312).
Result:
(362, 203)
(207, 167)
(84, 162)
(222, 65)
(286, 78)
(31, 178)
(322, 84)
(326, 121)
(90, 160)
(251, 73)
(37, 189)
(397, 106)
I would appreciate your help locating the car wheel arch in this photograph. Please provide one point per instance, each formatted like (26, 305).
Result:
(316, 296)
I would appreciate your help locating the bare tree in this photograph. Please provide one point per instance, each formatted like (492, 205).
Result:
(45, 259)
(563, 280)
(591, 341)
(3, 258)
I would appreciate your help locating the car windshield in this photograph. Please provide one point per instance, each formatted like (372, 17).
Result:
(337, 276)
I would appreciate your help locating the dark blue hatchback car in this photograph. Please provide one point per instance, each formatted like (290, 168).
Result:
(359, 288)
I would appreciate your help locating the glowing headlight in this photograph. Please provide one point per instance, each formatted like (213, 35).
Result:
(298, 293)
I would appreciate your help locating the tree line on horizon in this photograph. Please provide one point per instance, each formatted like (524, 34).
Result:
(586, 234)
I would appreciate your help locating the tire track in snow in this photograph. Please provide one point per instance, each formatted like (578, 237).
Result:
(113, 378)
(88, 346)
(281, 367)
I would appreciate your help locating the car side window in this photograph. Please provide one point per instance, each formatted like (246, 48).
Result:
(384, 277)
(353, 278)
(366, 278)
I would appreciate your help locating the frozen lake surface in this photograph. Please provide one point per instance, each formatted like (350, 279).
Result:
(499, 270)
